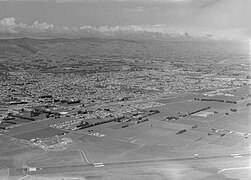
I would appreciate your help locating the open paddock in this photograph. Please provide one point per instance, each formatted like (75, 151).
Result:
(203, 114)
(5, 164)
(33, 126)
(217, 105)
(198, 137)
(41, 134)
(97, 120)
(50, 121)
(176, 126)
(232, 120)
(4, 141)
(220, 111)
(236, 127)
(121, 125)
(102, 128)
(170, 100)
(56, 158)
(175, 141)
(244, 90)
(73, 136)
(204, 129)
(193, 135)
(153, 135)
(155, 151)
(102, 149)
(246, 121)
(123, 134)
(214, 149)
(170, 126)
(199, 134)
(182, 107)
(169, 96)
(202, 91)
(175, 110)
(11, 153)
(20, 121)
(11, 146)
(161, 116)
(199, 119)
(145, 133)
(4, 172)
(238, 172)
(228, 140)
(191, 122)
(50, 141)
(244, 144)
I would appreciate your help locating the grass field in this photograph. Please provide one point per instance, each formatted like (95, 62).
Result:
(6, 163)
(228, 140)
(7, 145)
(121, 125)
(51, 121)
(101, 149)
(41, 133)
(57, 158)
(150, 152)
(25, 128)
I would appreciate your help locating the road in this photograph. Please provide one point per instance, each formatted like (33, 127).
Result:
(84, 157)
(234, 169)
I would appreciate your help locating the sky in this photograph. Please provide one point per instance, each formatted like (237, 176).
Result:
(227, 19)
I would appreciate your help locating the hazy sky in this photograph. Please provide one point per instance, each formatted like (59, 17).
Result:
(226, 17)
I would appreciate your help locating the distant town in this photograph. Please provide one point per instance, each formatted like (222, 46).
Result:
(70, 105)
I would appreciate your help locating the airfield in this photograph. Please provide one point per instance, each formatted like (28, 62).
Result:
(153, 144)
(124, 109)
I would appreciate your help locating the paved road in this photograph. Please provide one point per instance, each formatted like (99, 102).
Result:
(126, 164)
(84, 157)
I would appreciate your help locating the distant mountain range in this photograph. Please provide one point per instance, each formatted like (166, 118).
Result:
(171, 49)
(25, 46)
(138, 34)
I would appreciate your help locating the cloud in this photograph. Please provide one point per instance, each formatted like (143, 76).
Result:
(9, 26)
(165, 30)
(141, 9)
(95, 1)
(41, 26)
(135, 9)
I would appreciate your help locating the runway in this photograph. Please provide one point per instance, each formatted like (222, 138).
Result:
(190, 162)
